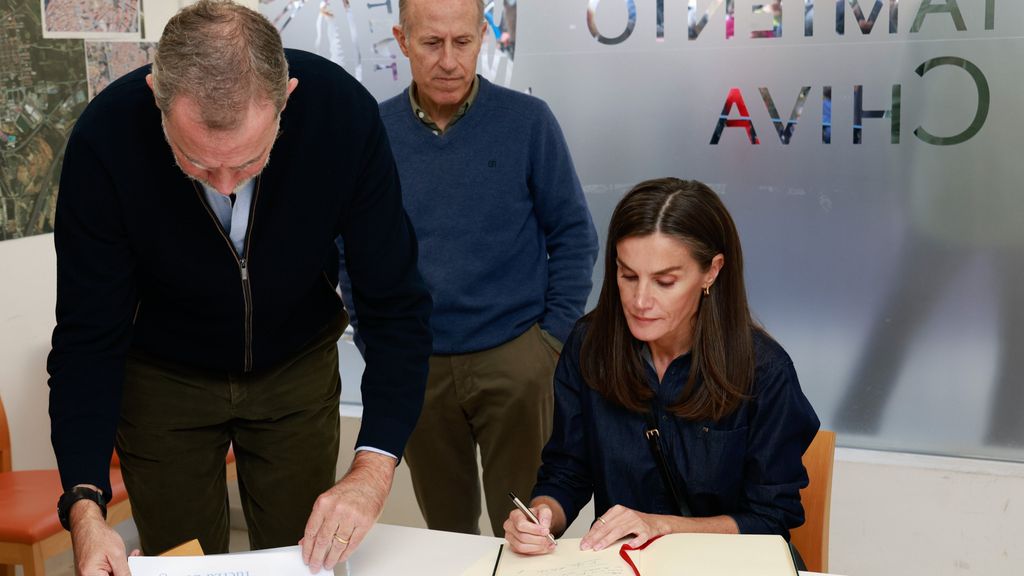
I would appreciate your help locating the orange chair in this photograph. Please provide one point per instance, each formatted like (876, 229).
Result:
(811, 539)
(29, 529)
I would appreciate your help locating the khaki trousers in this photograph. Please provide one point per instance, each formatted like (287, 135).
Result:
(501, 400)
(175, 429)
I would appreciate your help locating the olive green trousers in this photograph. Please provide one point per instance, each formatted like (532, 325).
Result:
(501, 400)
(175, 430)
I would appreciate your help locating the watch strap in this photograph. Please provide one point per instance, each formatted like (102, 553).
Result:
(69, 498)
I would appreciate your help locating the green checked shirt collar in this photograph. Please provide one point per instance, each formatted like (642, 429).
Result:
(428, 121)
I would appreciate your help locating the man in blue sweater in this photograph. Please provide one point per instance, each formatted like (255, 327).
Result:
(507, 247)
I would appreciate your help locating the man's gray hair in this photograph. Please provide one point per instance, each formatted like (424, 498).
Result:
(404, 22)
(223, 56)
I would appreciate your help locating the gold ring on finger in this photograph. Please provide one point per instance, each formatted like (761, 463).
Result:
(603, 521)
(340, 539)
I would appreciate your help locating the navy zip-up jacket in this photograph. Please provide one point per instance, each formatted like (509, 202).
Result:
(144, 266)
(747, 465)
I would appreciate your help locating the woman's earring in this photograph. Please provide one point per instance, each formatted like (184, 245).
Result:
(707, 290)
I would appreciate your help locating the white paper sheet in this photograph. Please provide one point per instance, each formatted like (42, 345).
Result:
(275, 562)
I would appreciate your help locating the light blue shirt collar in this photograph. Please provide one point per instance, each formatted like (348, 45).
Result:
(233, 218)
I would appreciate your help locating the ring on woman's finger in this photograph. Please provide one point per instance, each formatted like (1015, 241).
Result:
(603, 521)
(340, 539)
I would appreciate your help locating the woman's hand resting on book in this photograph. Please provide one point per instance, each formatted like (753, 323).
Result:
(619, 522)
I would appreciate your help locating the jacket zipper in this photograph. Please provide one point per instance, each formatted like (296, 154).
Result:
(243, 267)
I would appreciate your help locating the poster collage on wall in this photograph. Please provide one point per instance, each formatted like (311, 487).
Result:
(56, 55)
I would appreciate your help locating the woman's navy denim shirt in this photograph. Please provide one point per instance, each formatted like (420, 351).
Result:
(747, 466)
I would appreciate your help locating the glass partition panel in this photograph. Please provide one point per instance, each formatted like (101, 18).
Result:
(866, 152)
(865, 149)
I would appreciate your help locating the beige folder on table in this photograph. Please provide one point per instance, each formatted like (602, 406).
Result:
(190, 548)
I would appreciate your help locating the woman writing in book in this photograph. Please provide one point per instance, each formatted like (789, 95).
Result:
(671, 346)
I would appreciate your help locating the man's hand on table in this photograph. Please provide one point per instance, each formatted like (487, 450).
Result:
(343, 515)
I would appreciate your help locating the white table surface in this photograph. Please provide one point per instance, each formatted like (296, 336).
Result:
(399, 550)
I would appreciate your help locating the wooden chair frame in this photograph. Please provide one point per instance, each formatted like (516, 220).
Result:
(32, 557)
(811, 539)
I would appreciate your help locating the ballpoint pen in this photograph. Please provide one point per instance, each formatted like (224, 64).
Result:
(533, 518)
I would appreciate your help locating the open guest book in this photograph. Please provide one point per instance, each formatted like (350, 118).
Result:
(669, 555)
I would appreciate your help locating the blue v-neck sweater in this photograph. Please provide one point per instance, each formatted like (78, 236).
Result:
(506, 239)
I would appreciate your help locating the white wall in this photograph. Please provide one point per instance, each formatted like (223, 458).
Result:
(902, 515)
(892, 514)
(28, 290)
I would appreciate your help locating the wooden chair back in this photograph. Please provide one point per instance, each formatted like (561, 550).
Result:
(5, 441)
(29, 530)
(811, 539)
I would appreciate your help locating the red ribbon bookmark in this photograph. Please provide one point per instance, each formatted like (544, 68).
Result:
(626, 548)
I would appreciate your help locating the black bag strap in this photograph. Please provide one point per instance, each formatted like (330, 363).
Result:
(653, 436)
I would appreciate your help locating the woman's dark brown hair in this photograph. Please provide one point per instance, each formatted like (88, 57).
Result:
(723, 351)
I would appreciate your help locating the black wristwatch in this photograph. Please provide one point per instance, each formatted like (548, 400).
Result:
(68, 499)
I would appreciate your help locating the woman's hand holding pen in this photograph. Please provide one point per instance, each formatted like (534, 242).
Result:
(526, 537)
